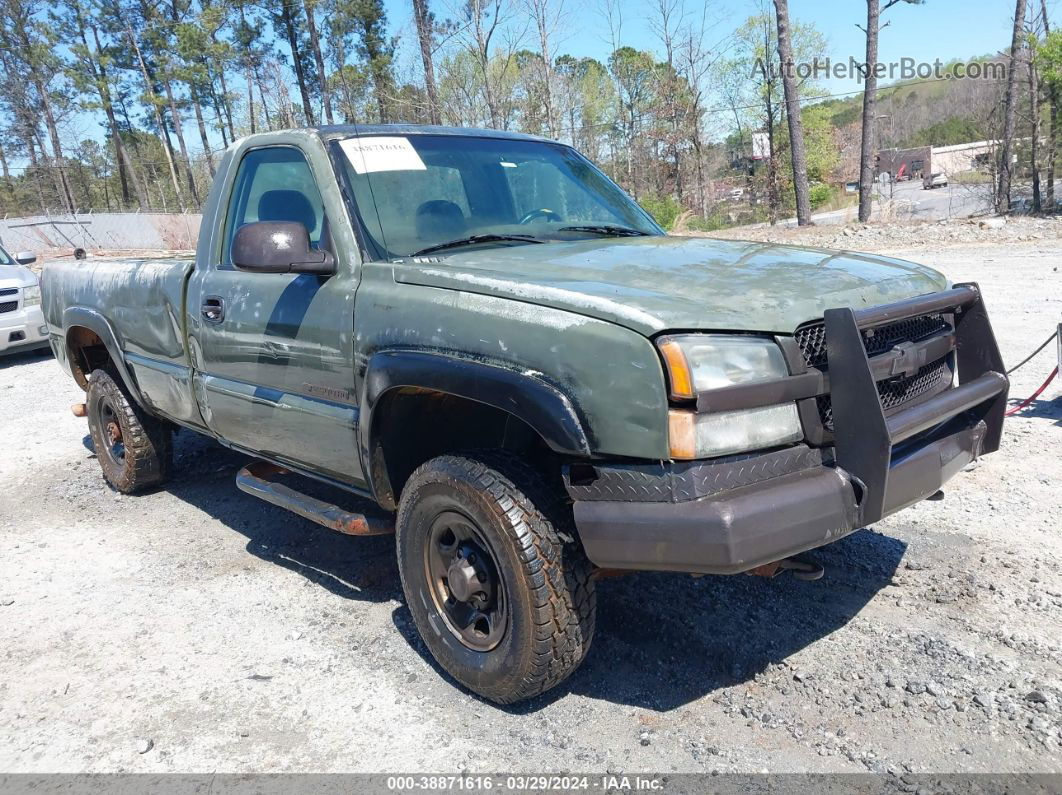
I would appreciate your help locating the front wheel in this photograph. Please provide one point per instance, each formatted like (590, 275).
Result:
(499, 587)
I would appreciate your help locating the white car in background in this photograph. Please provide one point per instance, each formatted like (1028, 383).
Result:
(935, 179)
(22, 324)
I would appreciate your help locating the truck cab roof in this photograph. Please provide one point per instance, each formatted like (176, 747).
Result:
(330, 132)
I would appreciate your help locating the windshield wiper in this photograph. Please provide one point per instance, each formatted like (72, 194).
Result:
(472, 239)
(606, 229)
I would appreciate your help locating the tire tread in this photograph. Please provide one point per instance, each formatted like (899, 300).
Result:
(538, 521)
(148, 440)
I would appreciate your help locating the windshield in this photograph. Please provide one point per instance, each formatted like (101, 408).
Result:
(5, 258)
(421, 191)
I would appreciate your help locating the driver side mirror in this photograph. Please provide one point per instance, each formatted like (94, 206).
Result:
(25, 258)
(279, 247)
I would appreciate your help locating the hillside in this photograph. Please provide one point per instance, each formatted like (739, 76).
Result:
(936, 112)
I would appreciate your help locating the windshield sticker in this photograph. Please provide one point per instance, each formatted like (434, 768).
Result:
(381, 153)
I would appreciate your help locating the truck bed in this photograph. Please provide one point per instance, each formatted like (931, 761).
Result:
(142, 300)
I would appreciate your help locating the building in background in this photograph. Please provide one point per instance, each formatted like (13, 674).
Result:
(925, 161)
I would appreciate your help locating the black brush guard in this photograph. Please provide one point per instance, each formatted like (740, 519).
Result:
(864, 438)
(732, 514)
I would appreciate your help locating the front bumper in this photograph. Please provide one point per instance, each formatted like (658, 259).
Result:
(740, 528)
(23, 329)
(731, 515)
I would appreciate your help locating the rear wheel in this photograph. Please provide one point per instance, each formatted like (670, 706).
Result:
(498, 585)
(134, 449)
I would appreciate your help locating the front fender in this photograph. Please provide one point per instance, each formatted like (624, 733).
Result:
(527, 397)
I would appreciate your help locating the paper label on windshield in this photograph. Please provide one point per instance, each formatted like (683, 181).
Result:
(381, 153)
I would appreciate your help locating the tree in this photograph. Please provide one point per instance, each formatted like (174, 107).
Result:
(286, 23)
(425, 22)
(870, 95)
(310, 7)
(798, 154)
(547, 16)
(485, 25)
(634, 73)
(751, 85)
(695, 61)
(1052, 117)
(377, 51)
(33, 44)
(1010, 111)
(1034, 139)
(91, 74)
(152, 99)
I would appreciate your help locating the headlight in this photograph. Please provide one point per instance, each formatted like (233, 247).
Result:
(31, 296)
(699, 362)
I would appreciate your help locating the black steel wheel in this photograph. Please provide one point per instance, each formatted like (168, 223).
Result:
(134, 449)
(495, 579)
(465, 582)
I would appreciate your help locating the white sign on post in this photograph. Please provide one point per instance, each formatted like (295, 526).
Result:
(381, 153)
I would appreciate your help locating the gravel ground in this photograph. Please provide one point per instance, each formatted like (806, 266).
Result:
(198, 629)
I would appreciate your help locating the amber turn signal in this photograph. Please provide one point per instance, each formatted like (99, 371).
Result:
(678, 370)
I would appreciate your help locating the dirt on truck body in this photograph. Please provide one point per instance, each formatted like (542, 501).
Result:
(483, 334)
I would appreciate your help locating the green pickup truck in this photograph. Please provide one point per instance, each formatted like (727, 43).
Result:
(485, 336)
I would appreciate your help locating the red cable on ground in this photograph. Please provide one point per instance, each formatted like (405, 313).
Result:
(1034, 395)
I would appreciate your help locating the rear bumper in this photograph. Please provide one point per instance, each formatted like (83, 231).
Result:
(22, 330)
(740, 528)
(731, 515)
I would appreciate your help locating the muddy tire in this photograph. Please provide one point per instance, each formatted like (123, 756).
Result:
(134, 449)
(496, 581)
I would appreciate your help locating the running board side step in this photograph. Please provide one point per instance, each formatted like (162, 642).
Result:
(256, 479)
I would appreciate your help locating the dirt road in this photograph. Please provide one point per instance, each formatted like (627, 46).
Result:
(197, 629)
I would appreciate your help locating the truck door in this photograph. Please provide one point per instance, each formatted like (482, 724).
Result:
(273, 352)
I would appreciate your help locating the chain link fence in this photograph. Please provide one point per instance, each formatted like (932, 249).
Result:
(64, 232)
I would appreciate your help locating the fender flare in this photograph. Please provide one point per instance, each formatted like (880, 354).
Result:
(529, 398)
(102, 328)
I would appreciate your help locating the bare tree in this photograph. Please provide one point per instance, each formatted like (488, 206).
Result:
(1010, 112)
(547, 15)
(1052, 120)
(870, 96)
(695, 62)
(486, 22)
(798, 152)
(425, 37)
(1034, 144)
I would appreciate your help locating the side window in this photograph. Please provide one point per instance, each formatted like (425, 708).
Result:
(274, 184)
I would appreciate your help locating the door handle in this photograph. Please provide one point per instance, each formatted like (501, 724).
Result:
(213, 309)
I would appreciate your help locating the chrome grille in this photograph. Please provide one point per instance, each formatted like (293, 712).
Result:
(8, 306)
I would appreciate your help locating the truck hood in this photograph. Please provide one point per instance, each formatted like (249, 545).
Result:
(652, 284)
(16, 276)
